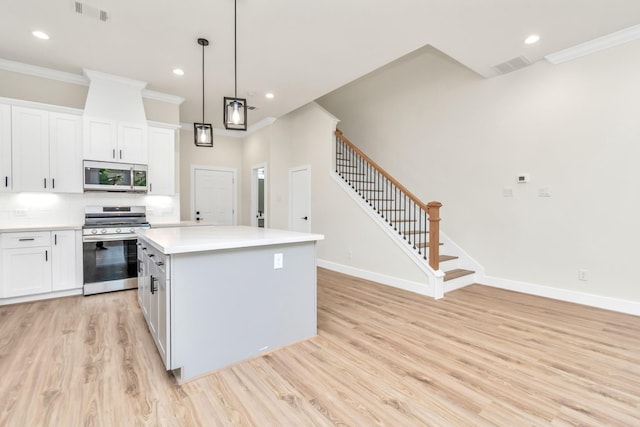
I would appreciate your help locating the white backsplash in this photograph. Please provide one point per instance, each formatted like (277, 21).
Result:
(49, 209)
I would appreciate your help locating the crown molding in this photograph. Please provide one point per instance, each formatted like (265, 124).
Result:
(595, 45)
(164, 97)
(47, 73)
(98, 75)
(82, 80)
(235, 134)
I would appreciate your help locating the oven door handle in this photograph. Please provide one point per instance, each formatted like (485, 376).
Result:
(109, 237)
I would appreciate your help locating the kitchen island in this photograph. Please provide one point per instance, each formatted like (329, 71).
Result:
(216, 295)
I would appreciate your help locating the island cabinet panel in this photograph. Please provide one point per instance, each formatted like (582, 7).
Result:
(230, 305)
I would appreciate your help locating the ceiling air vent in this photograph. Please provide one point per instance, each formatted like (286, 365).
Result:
(91, 11)
(512, 65)
(251, 107)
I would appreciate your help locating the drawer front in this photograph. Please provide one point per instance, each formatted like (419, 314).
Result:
(26, 239)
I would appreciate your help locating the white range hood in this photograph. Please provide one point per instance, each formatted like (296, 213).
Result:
(115, 98)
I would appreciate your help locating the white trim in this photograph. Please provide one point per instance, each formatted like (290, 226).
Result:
(595, 45)
(254, 194)
(99, 75)
(46, 73)
(41, 106)
(598, 301)
(214, 168)
(163, 125)
(38, 297)
(78, 79)
(407, 285)
(163, 97)
(291, 171)
(234, 133)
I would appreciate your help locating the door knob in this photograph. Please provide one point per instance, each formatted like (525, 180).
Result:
(305, 218)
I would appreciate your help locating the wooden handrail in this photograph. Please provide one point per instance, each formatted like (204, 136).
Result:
(382, 171)
(432, 208)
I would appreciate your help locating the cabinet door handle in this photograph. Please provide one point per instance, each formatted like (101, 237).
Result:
(55, 239)
(53, 183)
(46, 255)
(6, 181)
(153, 284)
(113, 155)
(30, 239)
(150, 188)
(120, 154)
(45, 183)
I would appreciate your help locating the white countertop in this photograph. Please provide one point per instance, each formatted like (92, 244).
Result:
(33, 228)
(177, 240)
(180, 224)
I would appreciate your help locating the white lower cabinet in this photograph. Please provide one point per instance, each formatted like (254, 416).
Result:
(39, 262)
(64, 255)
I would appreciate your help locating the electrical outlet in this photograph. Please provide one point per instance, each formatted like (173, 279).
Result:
(582, 275)
(20, 212)
(349, 254)
(278, 261)
(507, 192)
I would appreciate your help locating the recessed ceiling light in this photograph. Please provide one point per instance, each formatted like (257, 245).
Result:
(40, 35)
(533, 38)
(178, 72)
(269, 95)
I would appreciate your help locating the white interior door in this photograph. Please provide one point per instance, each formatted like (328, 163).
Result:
(214, 196)
(300, 199)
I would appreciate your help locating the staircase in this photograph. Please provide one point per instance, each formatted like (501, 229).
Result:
(414, 224)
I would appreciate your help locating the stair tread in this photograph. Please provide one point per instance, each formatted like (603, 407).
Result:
(425, 245)
(444, 258)
(456, 273)
(414, 232)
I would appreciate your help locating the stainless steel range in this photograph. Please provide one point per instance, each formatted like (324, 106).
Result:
(109, 247)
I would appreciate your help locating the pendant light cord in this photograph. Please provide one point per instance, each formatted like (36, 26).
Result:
(203, 83)
(235, 46)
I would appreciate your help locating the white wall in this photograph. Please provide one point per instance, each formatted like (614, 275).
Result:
(452, 136)
(225, 153)
(353, 242)
(256, 150)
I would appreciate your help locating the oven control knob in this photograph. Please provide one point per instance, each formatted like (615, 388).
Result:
(94, 231)
(118, 230)
(103, 231)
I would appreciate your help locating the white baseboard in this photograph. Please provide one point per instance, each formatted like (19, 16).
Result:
(598, 301)
(407, 285)
(38, 297)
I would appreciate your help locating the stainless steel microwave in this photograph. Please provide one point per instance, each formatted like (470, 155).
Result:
(103, 176)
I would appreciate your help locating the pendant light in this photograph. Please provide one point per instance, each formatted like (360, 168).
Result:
(203, 132)
(235, 109)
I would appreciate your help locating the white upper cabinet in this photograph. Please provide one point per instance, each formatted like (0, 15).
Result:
(30, 149)
(46, 151)
(161, 161)
(65, 152)
(113, 141)
(6, 176)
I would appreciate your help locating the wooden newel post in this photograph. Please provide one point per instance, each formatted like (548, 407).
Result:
(433, 209)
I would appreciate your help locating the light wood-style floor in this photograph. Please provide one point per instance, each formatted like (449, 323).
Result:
(382, 356)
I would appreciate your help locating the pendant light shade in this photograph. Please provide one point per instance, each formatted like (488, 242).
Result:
(235, 113)
(235, 109)
(203, 132)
